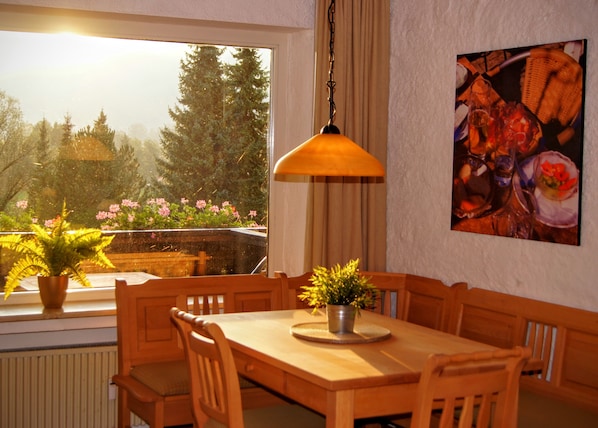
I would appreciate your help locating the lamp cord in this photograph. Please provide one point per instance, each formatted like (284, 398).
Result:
(331, 83)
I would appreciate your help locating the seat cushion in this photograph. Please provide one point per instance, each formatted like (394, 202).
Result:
(170, 377)
(539, 411)
(166, 378)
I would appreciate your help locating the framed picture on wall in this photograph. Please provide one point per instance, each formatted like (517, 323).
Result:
(518, 140)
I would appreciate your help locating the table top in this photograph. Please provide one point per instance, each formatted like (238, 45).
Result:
(266, 336)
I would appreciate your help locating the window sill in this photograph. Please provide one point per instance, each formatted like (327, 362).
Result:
(87, 317)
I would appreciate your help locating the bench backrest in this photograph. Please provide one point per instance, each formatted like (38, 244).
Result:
(145, 331)
(417, 299)
(564, 339)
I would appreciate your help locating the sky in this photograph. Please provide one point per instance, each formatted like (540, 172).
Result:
(50, 75)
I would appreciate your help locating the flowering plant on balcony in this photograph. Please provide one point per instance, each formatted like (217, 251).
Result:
(161, 214)
(19, 221)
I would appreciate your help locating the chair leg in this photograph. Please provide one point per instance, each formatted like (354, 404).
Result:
(124, 415)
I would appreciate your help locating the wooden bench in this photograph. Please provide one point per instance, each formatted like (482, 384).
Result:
(152, 373)
(564, 339)
(159, 263)
(562, 374)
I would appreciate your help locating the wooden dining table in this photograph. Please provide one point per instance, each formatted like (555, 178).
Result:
(343, 381)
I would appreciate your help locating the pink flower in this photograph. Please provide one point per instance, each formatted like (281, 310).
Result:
(225, 204)
(164, 211)
(201, 204)
(214, 209)
(161, 201)
(252, 213)
(131, 218)
(22, 205)
(49, 223)
(102, 215)
(184, 201)
(129, 203)
(114, 208)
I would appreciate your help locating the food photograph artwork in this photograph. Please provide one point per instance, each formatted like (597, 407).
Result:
(518, 142)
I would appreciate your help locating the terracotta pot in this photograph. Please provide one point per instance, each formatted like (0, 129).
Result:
(52, 290)
(341, 318)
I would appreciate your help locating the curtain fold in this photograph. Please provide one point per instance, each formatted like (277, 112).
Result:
(347, 216)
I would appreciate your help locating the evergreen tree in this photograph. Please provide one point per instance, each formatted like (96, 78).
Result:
(218, 148)
(127, 181)
(247, 123)
(191, 151)
(92, 173)
(41, 187)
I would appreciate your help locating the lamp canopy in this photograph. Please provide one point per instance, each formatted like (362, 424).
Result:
(329, 153)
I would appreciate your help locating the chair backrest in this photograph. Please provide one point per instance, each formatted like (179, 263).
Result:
(483, 386)
(215, 390)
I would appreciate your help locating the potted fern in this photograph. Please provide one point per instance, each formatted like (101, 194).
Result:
(343, 291)
(54, 253)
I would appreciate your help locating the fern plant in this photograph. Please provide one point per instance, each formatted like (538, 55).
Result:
(339, 285)
(54, 251)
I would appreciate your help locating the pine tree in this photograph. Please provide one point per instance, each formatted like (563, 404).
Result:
(191, 151)
(247, 121)
(218, 148)
(92, 173)
(41, 186)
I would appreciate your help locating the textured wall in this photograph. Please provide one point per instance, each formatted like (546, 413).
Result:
(284, 13)
(426, 37)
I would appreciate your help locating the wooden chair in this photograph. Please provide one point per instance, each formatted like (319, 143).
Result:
(215, 391)
(477, 389)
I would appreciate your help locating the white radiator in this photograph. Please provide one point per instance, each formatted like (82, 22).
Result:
(58, 388)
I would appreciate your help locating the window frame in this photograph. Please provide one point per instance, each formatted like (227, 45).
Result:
(291, 107)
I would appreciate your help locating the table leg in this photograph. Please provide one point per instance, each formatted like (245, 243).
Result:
(340, 409)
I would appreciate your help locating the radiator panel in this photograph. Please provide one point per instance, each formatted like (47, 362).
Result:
(58, 388)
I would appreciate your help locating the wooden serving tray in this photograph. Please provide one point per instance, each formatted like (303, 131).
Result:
(318, 332)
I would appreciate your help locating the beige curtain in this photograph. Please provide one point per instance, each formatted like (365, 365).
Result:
(347, 216)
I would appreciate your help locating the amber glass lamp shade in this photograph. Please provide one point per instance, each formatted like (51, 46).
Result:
(329, 153)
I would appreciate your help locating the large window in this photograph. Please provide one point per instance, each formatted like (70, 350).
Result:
(137, 135)
(134, 154)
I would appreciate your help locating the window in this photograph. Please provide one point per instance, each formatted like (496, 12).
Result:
(182, 31)
(188, 149)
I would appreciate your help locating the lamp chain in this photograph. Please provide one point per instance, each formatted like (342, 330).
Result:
(331, 83)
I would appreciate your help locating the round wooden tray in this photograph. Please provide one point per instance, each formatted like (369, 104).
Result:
(318, 332)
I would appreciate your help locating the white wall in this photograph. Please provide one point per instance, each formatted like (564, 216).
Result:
(284, 13)
(426, 37)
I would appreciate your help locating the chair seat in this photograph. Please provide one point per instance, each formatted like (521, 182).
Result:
(286, 416)
(169, 378)
(538, 411)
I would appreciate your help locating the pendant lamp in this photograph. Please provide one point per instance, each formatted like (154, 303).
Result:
(329, 153)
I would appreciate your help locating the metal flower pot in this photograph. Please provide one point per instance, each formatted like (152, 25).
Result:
(341, 318)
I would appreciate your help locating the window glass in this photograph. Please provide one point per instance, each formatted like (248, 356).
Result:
(162, 144)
